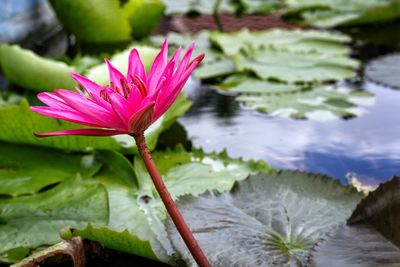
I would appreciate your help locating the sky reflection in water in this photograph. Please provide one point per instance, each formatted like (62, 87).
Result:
(368, 146)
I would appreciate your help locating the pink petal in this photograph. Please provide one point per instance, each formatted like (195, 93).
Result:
(167, 96)
(185, 60)
(86, 106)
(121, 107)
(67, 115)
(134, 99)
(135, 67)
(89, 132)
(157, 68)
(116, 77)
(52, 100)
(91, 87)
(141, 120)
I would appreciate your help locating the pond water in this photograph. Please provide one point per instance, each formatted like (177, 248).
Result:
(367, 146)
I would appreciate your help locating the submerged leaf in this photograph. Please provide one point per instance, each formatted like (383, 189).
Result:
(269, 219)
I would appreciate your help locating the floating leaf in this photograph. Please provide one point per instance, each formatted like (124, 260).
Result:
(19, 124)
(296, 67)
(260, 6)
(372, 236)
(32, 221)
(196, 6)
(320, 103)
(26, 69)
(93, 21)
(26, 170)
(385, 70)
(195, 172)
(282, 40)
(267, 220)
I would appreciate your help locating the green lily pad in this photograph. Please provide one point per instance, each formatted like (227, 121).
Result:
(371, 237)
(195, 6)
(93, 21)
(26, 69)
(266, 220)
(32, 221)
(286, 66)
(260, 6)
(196, 172)
(26, 169)
(320, 103)
(385, 70)
(302, 41)
(19, 124)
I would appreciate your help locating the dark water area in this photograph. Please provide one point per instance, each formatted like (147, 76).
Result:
(367, 146)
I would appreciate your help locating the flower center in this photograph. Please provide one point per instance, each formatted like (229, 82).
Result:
(126, 88)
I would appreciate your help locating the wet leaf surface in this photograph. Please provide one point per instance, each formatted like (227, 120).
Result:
(268, 219)
(371, 237)
(385, 70)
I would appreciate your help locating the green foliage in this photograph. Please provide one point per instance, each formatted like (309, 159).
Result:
(93, 21)
(120, 241)
(34, 220)
(143, 16)
(26, 69)
(333, 13)
(137, 213)
(195, 6)
(267, 219)
(27, 169)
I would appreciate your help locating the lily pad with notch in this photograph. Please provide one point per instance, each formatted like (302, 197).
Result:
(267, 219)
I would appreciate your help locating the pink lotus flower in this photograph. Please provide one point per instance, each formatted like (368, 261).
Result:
(130, 104)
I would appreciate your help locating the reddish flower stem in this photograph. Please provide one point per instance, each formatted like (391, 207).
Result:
(169, 203)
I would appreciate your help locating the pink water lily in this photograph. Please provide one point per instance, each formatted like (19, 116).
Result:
(130, 104)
